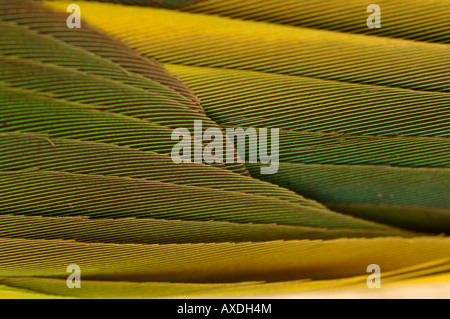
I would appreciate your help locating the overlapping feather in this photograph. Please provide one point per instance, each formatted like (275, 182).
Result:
(86, 176)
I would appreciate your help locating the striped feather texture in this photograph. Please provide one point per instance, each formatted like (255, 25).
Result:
(249, 98)
(218, 262)
(87, 178)
(273, 48)
(424, 278)
(409, 19)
